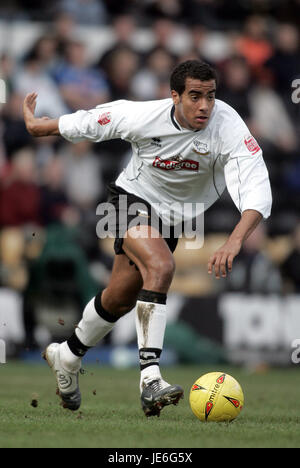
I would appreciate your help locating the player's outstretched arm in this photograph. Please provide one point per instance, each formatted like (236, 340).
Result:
(38, 127)
(221, 261)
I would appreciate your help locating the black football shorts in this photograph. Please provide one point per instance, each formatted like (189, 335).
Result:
(126, 210)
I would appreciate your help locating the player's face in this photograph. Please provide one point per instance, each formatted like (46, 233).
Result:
(194, 106)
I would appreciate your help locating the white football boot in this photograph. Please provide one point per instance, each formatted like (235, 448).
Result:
(67, 382)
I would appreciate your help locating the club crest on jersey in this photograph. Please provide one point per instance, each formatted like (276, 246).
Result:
(176, 163)
(251, 144)
(105, 118)
(200, 148)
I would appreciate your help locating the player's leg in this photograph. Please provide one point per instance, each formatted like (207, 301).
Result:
(97, 321)
(156, 264)
(103, 311)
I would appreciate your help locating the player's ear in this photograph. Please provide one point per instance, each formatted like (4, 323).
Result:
(175, 97)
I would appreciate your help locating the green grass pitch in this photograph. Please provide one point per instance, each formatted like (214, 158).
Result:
(111, 416)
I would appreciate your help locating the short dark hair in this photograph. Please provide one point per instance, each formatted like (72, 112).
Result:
(195, 69)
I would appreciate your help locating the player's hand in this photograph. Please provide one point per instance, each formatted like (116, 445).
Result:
(221, 261)
(29, 105)
(35, 125)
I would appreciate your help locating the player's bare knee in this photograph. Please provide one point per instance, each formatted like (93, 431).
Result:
(160, 272)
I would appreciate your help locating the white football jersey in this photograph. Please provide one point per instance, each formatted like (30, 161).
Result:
(171, 164)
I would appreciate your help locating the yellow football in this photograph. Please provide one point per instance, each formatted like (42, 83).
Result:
(216, 397)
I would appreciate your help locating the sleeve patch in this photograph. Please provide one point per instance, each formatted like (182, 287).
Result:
(104, 119)
(252, 144)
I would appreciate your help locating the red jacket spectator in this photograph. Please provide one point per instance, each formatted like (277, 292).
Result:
(19, 194)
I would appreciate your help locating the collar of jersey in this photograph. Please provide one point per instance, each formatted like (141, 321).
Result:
(176, 124)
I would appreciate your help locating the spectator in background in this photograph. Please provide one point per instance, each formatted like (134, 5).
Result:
(121, 67)
(146, 83)
(291, 265)
(119, 63)
(53, 196)
(272, 122)
(198, 35)
(213, 46)
(19, 194)
(163, 30)
(15, 135)
(82, 175)
(235, 87)
(45, 52)
(63, 30)
(173, 37)
(81, 86)
(285, 62)
(254, 43)
(254, 271)
(84, 188)
(124, 28)
(34, 76)
(7, 65)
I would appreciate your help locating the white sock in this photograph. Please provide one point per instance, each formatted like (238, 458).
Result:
(90, 330)
(151, 321)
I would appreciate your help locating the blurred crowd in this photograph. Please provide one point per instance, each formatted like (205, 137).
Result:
(49, 189)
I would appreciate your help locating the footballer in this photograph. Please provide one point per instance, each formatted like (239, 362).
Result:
(185, 149)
